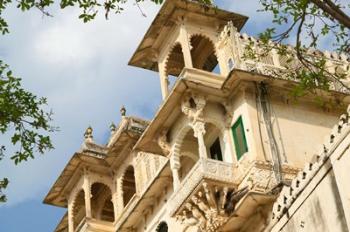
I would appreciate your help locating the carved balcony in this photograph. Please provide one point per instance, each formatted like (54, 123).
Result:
(217, 196)
(91, 225)
(205, 172)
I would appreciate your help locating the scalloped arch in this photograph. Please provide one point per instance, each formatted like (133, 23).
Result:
(181, 135)
(177, 43)
(101, 180)
(206, 37)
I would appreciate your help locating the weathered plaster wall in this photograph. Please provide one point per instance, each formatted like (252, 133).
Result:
(321, 211)
(300, 130)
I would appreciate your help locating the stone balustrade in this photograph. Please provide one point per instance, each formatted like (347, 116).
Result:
(233, 48)
(204, 170)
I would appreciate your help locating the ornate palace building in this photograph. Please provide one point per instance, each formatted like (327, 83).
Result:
(228, 149)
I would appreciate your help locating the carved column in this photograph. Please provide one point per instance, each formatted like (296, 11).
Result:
(115, 198)
(164, 83)
(175, 166)
(87, 194)
(120, 193)
(70, 216)
(199, 131)
(275, 58)
(186, 47)
(228, 146)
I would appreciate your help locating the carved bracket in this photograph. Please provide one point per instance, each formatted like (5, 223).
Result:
(192, 106)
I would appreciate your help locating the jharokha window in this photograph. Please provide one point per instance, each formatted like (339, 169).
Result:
(239, 138)
(215, 150)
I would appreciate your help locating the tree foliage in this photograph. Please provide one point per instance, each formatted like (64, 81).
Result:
(311, 25)
(22, 115)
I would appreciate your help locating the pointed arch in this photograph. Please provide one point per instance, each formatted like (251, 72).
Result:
(129, 184)
(101, 202)
(175, 60)
(203, 53)
(78, 209)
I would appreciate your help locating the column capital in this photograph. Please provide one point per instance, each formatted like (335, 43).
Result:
(198, 128)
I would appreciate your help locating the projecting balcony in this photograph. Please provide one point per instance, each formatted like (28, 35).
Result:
(205, 175)
(201, 76)
(90, 224)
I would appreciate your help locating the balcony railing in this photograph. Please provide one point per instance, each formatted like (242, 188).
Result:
(204, 170)
(90, 224)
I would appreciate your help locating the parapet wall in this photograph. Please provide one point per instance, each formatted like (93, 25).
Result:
(319, 197)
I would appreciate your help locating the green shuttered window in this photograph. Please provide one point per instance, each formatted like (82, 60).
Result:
(239, 138)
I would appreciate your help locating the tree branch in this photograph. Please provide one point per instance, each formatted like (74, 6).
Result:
(334, 12)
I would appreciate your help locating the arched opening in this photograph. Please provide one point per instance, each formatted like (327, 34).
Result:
(129, 186)
(162, 227)
(79, 211)
(175, 64)
(230, 64)
(213, 142)
(203, 54)
(101, 202)
(189, 154)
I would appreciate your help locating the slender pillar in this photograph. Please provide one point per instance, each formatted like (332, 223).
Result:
(275, 58)
(87, 192)
(228, 146)
(70, 216)
(175, 166)
(186, 47)
(199, 132)
(164, 83)
(115, 198)
(120, 199)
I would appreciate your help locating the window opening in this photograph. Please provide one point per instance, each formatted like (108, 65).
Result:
(203, 54)
(231, 64)
(162, 227)
(216, 69)
(129, 186)
(239, 138)
(215, 150)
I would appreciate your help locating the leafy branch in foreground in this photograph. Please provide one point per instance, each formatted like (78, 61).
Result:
(21, 112)
(23, 116)
(309, 23)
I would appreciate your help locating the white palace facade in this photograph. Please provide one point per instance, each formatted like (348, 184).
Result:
(229, 148)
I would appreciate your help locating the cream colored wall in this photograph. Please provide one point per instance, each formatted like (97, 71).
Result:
(300, 129)
(322, 210)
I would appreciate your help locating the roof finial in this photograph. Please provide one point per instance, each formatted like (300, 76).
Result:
(88, 134)
(123, 111)
(112, 127)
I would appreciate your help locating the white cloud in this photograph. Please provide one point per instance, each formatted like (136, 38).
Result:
(63, 45)
(82, 70)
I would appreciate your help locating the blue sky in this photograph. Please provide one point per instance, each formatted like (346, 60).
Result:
(82, 70)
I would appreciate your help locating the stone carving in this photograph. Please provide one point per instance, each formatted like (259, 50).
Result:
(207, 211)
(163, 142)
(192, 106)
(198, 128)
(88, 134)
(233, 44)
